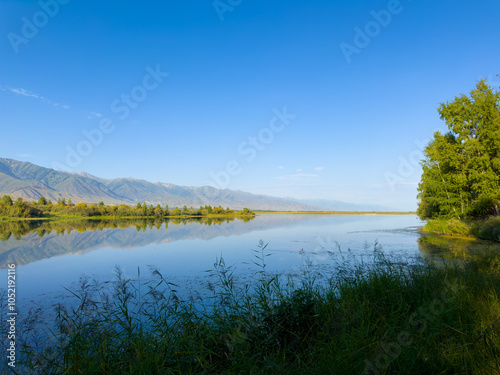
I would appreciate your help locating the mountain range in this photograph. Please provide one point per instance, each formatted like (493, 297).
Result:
(30, 182)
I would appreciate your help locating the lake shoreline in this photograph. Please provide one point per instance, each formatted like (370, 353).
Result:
(235, 215)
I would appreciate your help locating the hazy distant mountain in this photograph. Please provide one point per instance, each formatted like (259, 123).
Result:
(331, 205)
(29, 181)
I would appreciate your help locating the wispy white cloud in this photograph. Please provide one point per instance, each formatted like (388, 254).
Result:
(29, 94)
(281, 167)
(23, 92)
(92, 115)
(298, 176)
(319, 168)
(299, 170)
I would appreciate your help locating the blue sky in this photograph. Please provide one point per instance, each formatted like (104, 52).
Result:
(253, 95)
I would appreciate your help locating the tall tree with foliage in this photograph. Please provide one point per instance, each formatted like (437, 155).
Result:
(461, 169)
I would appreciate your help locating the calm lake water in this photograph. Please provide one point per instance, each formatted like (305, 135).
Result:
(51, 258)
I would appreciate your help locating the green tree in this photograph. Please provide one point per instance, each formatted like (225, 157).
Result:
(461, 169)
(7, 199)
(217, 210)
(42, 201)
(159, 211)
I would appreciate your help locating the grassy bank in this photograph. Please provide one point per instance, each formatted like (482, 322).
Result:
(379, 319)
(488, 229)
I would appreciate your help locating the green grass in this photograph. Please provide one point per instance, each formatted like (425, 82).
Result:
(381, 318)
(453, 227)
(487, 229)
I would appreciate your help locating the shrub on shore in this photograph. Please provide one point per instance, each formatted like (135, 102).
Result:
(488, 229)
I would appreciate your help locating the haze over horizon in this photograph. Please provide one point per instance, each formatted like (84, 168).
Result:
(311, 100)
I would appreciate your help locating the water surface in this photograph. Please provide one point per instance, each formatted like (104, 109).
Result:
(49, 257)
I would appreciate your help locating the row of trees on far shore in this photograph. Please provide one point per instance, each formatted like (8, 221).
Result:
(43, 207)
